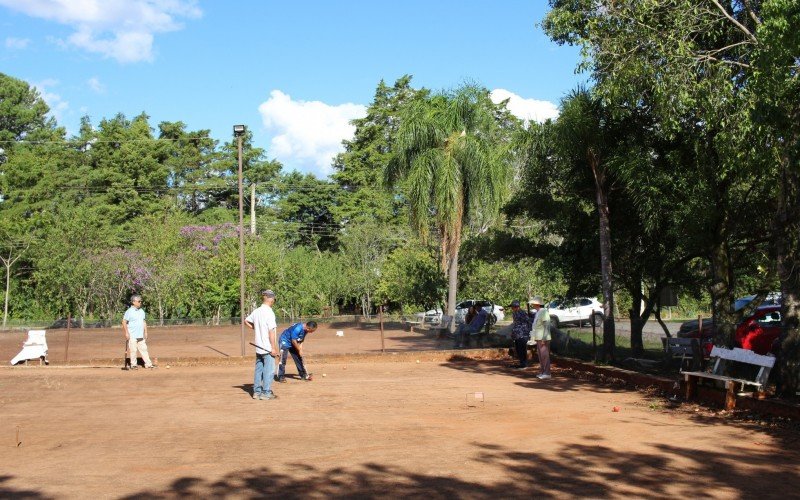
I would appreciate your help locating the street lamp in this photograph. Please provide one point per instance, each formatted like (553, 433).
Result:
(238, 131)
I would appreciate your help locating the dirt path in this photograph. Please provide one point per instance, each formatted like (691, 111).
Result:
(368, 429)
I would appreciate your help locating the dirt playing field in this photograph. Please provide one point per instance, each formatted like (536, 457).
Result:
(372, 426)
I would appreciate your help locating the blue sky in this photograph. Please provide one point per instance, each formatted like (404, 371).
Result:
(294, 72)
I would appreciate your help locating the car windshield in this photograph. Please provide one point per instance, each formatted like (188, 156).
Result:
(740, 304)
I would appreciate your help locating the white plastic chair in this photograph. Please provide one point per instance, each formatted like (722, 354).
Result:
(35, 347)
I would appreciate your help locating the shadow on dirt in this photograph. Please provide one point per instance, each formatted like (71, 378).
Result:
(8, 492)
(588, 470)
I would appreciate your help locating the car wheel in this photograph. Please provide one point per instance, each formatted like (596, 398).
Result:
(596, 319)
(554, 322)
(492, 319)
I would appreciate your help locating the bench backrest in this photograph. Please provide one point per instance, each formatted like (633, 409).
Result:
(743, 356)
(676, 345)
(36, 337)
(445, 322)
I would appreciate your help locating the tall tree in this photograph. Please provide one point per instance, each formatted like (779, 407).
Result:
(453, 155)
(303, 211)
(358, 169)
(684, 62)
(23, 115)
(586, 137)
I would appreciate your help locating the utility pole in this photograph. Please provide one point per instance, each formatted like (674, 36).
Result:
(252, 208)
(238, 131)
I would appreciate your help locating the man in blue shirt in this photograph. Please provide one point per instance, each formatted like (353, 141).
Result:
(291, 342)
(474, 327)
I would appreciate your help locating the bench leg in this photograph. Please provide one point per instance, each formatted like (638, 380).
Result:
(691, 387)
(730, 395)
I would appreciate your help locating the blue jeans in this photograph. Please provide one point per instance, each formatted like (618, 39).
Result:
(298, 361)
(265, 369)
(462, 335)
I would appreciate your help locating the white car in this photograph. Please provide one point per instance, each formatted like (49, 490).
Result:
(579, 311)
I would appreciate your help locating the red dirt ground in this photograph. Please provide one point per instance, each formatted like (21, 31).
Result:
(375, 425)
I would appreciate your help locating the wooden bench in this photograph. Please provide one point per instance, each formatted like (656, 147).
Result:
(685, 349)
(413, 324)
(722, 365)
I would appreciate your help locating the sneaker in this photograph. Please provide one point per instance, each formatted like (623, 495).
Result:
(282, 380)
(256, 395)
(269, 395)
(306, 377)
(275, 378)
(543, 376)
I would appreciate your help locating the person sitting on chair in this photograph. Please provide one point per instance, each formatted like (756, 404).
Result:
(472, 327)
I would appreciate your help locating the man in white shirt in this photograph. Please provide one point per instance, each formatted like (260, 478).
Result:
(135, 328)
(262, 320)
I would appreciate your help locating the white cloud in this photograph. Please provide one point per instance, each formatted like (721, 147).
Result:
(525, 109)
(57, 105)
(96, 85)
(17, 43)
(306, 132)
(119, 29)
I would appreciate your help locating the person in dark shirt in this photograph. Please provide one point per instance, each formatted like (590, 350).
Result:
(520, 333)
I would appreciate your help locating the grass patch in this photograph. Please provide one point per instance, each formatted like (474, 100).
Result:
(652, 349)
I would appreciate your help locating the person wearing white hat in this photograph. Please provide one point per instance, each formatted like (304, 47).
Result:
(540, 332)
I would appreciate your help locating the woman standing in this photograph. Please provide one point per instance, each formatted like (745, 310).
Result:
(540, 332)
(520, 333)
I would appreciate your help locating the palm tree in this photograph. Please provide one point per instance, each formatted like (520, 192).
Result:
(451, 152)
(587, 135)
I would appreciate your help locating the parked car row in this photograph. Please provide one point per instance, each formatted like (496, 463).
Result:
(580, 311)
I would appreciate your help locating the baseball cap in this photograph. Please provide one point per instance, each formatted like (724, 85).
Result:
(514, 303)
(268, 293)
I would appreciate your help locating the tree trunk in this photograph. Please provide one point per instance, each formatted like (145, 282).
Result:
(609, 334)
(8, 290)
(82, 321)
(637, 325)
(788, 257)
(160, 312)
(724, 319)
(452, 286)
